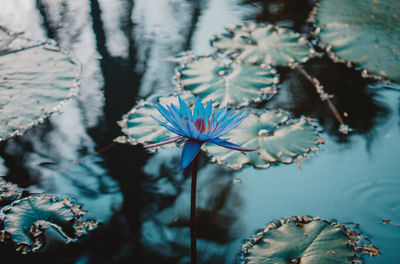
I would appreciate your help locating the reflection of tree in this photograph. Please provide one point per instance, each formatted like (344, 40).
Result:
(165, 230)
(363, 111)
(70, 24)
(286, 13)
(44, 158)
(161, 31)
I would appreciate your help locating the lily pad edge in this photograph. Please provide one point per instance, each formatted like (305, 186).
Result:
(51, 45)
(355, 239)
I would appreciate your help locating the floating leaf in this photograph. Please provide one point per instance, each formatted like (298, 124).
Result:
(9, 192)
(363, 32)
(304, 240)
(263, 44)
(140, 128)
(33, 83)
(27, 221)
(214, 79)
(279, 139)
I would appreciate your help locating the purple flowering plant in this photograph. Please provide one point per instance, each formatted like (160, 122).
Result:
(198, 127)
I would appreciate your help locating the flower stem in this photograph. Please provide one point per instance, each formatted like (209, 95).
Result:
(193, 247)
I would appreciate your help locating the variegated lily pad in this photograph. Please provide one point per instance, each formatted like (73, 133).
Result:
(305, 240)
(263, 44)
(34, 81)
(140, 128)
(27, 221)
(365, 32)
(279, 138)
(227, 82)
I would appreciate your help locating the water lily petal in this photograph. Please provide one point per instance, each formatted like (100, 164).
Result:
(221, 113)
(192, 129)
(170, 128)
(178, 120)
(207, 112)
(198, 110)
(233, 122)
(167, 141)
(226, 144)
(190, 151)
(225, 116)
(185, 110)
(165, 113)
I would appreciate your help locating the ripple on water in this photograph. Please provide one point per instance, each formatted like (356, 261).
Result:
(382, 196)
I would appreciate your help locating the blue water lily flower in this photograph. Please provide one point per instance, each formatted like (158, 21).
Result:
(199, 127)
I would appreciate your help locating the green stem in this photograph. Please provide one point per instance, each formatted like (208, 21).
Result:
(193, 247)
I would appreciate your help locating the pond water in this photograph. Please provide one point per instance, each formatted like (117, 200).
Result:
(142, 199)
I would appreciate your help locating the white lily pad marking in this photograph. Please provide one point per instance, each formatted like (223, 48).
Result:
(258, 43)
(314, 242)
(308, 240)
(279, 140)
(238, 84)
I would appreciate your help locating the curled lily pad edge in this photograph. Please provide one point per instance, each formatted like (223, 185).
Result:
(356, 239)
(79, 224)
(297, 158)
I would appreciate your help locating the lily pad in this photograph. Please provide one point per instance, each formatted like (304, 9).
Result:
(367, 33)
(140, 128)
(9, 192)
(34, 82)
(279, 139)
(227, 82)
(305, 240)
(27, 221)
(263, 44)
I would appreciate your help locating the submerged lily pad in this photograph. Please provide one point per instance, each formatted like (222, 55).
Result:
(263, 44)
(227, 82)
(304, 240)
(34, 81)
(363, 32)
(279, 139)
(140, 128)
(40, 220)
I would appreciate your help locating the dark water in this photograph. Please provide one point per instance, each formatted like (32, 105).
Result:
(143, 199)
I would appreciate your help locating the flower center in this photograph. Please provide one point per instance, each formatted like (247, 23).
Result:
(200, 124)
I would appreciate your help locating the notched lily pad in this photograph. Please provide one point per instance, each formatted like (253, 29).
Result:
(34, 82)
(212, 78)
(364, 32)
(305, 240)
(8, 192)
(263, 44)
(40, 221)
(140, 128)
(279, 139)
